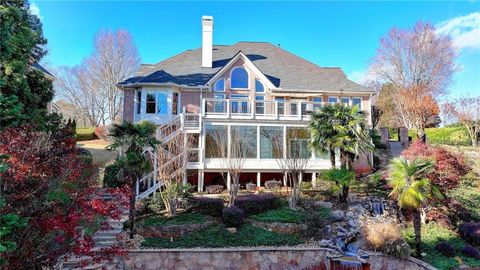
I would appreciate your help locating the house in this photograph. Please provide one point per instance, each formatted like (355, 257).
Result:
(254, 87)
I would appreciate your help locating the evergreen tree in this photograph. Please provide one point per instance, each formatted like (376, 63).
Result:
(21, 46)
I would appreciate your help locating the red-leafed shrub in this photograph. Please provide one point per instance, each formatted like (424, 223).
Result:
(208, 206)
(55, 190)
(445, 249)
(470, 251)
(253, 204)
(449, 166)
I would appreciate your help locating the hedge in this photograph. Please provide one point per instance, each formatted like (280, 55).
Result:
(85, 134)
(445, 135)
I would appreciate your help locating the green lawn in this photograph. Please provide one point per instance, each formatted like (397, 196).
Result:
(432, 234)
(182, 218)
(216, 236)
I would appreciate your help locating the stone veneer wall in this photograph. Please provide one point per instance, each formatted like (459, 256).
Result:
(251, 258)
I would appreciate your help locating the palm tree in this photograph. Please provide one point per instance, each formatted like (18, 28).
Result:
(412, 189)
(340, 126)
(323, 134)
(342, 178)
(131, 139)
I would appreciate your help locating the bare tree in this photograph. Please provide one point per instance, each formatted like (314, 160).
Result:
(466, 110)
(295, 161)
(91, 86)
(172, 159)
(231, 159)
(418, 63)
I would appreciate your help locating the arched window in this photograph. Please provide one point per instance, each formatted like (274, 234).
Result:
(219, 85)
(259, 87)
(239, 78)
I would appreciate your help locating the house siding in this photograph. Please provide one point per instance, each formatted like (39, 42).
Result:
(128, 105)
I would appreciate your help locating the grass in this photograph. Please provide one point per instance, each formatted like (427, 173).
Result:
(180, 219)
(468, 195)
(445, 135)
(432, 234)
(216, 236)
(283, 215)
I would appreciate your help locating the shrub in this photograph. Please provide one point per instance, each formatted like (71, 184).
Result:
(208, 206)
(180, 219)
(233, 216)
(214, 189)
(253, 204)
(449, 166)
(315, 222)
(464, 203)
(470, 251)
(110, 178)
(446, 135)
(386, 237)
(306, 185)
(470, 231)
(273, 184)
(445, 249)
(251, 186)
(85, 134)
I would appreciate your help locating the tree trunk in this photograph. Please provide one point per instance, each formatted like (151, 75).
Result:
(344, 196)
(343, 159)
(131, 214)
(417, 226)
(332, 158)
(422, 135)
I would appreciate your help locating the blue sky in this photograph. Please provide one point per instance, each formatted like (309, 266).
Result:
(344, 34)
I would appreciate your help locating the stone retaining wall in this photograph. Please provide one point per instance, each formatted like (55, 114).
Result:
(251, 258)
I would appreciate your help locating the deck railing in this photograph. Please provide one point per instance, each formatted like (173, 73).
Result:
(252, 109)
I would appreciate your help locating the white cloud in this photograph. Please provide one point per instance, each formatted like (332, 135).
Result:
(464, 30)
(34, 10)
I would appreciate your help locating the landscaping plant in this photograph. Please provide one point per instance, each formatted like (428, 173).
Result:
(131, 139)
(342, 178)
(412, 189)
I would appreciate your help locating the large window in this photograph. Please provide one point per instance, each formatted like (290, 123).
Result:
(219, 86)
(243, 141)
(332, 99)
(281, 105)
(297, 143)
(216, 141)
(271, 142)
(157, 102)
(357, 101)
(260, 105)
(317, 103)
(239, 78)
(345, 100)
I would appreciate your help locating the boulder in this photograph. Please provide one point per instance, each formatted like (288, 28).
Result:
(323, 204)
(338, 215)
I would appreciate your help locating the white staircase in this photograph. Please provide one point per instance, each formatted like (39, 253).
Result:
(177, 126)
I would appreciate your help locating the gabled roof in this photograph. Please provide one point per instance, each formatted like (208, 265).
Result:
(42, 69)
(285, 70)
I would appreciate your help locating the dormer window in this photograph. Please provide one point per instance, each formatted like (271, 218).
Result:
(239, 78)
(259, 87)
(219, 86)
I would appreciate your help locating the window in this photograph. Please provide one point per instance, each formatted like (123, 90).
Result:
(281, 105)
(219, 86)
(332, 100)
(175, 103)
(345, 100)
(151, 102)
(216, 141)
(243, 141)
(317, 102)
(259, 86)
(239, 78)
(220, 105)
(357, 101)
(260, 104)
(297, 143)
(239, 106)
(162, 102)
(139, 102)
(271, 142)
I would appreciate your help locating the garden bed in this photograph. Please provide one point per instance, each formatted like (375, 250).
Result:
(176, 227)
(217, 236)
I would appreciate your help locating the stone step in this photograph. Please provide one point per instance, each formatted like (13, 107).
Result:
(107, 233)
(101, 244)
(104, 238)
